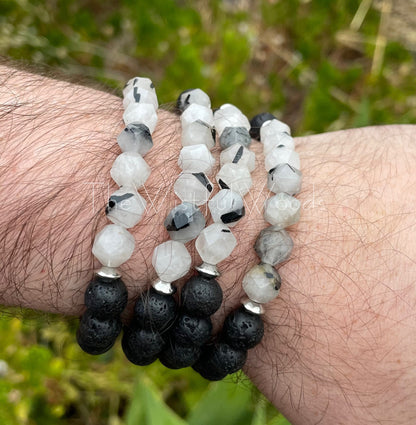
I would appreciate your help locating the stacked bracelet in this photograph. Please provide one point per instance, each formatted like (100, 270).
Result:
(106, 295)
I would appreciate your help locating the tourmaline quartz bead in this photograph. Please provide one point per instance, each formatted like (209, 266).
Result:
(125, 207)
(227, 207)
(281, 155)
(262, 283)
(272, 127)
(233, 135)
(275, 140)
(215, 243)
(229, 116)
(257, 121)
(238, 154)
(113, 245)
(198, 132)
(143, 113)
(193, 187)
(184, 222)
(190, 96)
(140, 95)
(195, 159)
(140, 83)
(171, 260)
(273, 246)
(130, 169)
(196, 112)
(235, 177)
(284, 178)
(135, 138)
(282, 210)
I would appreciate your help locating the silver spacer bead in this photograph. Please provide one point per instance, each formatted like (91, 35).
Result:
(209, 270)
(252, 306)
(108, 272)
(163, 287)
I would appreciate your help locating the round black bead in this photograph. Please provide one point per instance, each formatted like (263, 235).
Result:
(242, 329)
(155, 311)
(141, 346)
(95, 335)
(190, 330)
(176, 355)
(106, 297)
(201, 296)
(257, 121)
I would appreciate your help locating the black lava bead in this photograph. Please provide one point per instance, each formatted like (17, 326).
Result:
(201, 296)
(177, 356)
(141, 346)
(190, 330)
(219, 360)
(106, 297)
(96, 336)
(155, 311)
(257, 121)
(242, 329)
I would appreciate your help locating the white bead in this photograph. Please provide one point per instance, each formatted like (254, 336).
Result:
(278, 139)
(196, 158)
(143, 113)
(281, 155)
(191, 96)
(113, 245)
(238, 154)
(135, 138)
(130, 169)
(262, 283)
(227, 207)
(140, 95)
(196, 133)
(215, 243)
(231, 108)
(272, 127)
(229, 116)
(282, 210)
(171, 260)
(139, 82)
(196, 112)
(125, 207)
(284, 178)
(193, 187)
(235, 177)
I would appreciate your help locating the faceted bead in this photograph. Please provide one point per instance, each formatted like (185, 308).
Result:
(215, 243)
(262, 283)
(273, 246)
(125, 207)
(282, 210)
(196, 112)
(284, 178)
(113, 245)
(171, 260)
(191, 96)
(257, 121)
(184, 222)
(238, 154)
(232, 135)
(193, 187)
(130, 169)
(227, 207)
(140, 95)
(198, 132)
(229, 116)
(143, 113)
(196, 159)
(278, 139)
(235, 177)
(272, 127)
(139, 82)
(135, 138)
(281, 155)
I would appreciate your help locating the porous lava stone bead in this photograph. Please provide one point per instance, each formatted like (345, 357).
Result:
(95, 335)
(242, 329)
(190, 330)
(201, 296)
(141, 346)
(257, 121)
(219, 360)
(106, 297)
(176, 355)
(154, 310)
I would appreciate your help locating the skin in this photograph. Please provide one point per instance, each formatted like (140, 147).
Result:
(339, 345)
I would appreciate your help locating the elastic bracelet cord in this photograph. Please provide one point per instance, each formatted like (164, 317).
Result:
(106, 295)
(243, 328)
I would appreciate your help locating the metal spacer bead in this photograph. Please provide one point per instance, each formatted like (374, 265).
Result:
(208, 270)
(252, 306)
(108, 272)
(163, 287)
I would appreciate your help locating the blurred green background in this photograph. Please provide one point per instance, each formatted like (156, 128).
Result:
(320, 65)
